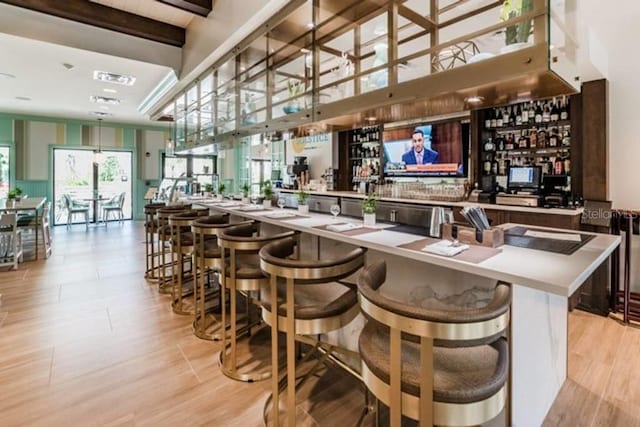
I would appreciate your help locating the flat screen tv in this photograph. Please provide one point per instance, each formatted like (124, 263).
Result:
(428, 150)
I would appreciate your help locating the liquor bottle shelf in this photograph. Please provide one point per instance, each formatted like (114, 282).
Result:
(526, 126)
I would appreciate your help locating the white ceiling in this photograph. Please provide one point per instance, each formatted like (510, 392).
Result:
(58, 92)
(151, 9)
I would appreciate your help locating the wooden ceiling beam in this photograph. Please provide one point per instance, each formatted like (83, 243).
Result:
(198, 7)
(98, 15)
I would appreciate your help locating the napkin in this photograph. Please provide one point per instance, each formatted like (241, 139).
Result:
(339, 228)
(445, 248)
(284, 214)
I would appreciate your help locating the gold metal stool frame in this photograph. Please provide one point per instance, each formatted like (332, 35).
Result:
(165, 284)
(236, 245)
(152, 272)
(201, 232)
(295, 329)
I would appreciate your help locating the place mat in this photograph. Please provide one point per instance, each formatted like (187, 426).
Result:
(354, 232)
(409, 229)
(515, 237)
(285, 218)
(475, 254)
(245, 210)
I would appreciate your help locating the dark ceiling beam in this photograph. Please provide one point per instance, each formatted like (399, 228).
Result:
(98, 15)
(199, 7)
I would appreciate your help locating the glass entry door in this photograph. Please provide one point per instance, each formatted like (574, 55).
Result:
(91, 184)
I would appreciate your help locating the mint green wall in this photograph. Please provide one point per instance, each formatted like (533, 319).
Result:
(73, 138)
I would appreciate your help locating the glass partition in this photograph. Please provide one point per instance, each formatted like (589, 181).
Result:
(563, 40)
(226, 97)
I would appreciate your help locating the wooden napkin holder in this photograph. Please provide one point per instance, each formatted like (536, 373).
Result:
(492, 238)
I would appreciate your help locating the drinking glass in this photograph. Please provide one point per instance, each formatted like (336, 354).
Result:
(254, 199)
(281, 202)
(335, 211)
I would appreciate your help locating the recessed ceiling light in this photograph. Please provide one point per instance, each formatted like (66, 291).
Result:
(23, 98)
(7, 76)
(304, 50)
(68, 66)
(104, 100)
(370, 119)
(100, 113)
(121, 79)
(110, 90)
(474, 100)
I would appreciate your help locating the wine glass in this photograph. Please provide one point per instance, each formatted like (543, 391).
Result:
(281, 202)
(335, 211)
(254, 199)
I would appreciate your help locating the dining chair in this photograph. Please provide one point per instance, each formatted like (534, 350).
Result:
(115, 204)
(10, 241)
(75, 208)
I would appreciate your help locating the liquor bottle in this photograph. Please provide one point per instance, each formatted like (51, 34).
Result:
(567, 165)
(487, 122)
(566, 137)
(555, 112)
(522, 141)
(494, 119)
(564, 110)
(546, 113)
(510, 144)
(494, 167)
(533, 138)
(542, 138)
(506, 116)
(538, 113)
(487, 167)
(532, 112)
(500, 143)
(553, 139)
(513, 116)
(525, 115)
(489, 145)
(518, 116)
(499, 118)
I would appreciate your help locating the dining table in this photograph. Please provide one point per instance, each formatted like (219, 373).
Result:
(29, 204)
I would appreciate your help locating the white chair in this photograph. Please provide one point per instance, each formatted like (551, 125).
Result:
(74, 208)
(10, 241)
(43, 223)
(115, 204)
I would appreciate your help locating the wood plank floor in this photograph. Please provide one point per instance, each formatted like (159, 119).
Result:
(85, 340)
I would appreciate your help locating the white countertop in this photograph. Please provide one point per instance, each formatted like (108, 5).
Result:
(354, 195)
(545, 271)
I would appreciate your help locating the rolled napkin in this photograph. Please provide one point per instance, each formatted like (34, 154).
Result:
(339, 228)
(444, 248)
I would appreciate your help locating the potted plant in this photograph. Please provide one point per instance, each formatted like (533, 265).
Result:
(294, 89)
(221, 189)
(302, 197)
(245, 192)
(516, 35)
(267, 193)
(208, 189)
(369, 210)
(11, 197)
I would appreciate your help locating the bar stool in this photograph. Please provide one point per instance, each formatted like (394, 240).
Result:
(312, 301)
(441, 367)
(165, 283)
(241, 273)
(207, 257)
(150, 233)
(182, 245)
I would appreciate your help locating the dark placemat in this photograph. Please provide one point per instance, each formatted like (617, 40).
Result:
(475, 254)
(409, 229)
(354, 232)
(515, 237)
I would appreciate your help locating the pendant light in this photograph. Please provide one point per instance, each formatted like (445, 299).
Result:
(98, 156)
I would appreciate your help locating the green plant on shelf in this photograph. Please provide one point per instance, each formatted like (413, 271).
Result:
(516, 33)
(221, 188)
(245, 189)
(267, 190)
(302, 197)
(369, 204)
(208, 188)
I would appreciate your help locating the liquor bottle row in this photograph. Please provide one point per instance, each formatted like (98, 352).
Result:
(360, 151)
(560, 165)
(368, 168)
(549, 137)
(533, 112)
(365, 134)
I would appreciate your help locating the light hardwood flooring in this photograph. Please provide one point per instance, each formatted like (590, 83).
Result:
(85, 340)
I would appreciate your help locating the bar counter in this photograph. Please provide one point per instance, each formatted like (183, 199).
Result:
(541, 285)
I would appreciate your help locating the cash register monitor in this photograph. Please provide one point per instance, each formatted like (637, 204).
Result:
(524, 178)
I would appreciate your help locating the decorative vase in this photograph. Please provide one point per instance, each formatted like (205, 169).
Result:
(266, 203)
(369, 219)
(303, 209)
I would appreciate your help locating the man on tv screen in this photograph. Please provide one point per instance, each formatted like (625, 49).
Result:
(419, 154)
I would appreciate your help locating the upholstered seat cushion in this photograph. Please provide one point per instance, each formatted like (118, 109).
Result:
(461, 375)
(186, 239)
(247, 267)
(316, 301)
(211, 248)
